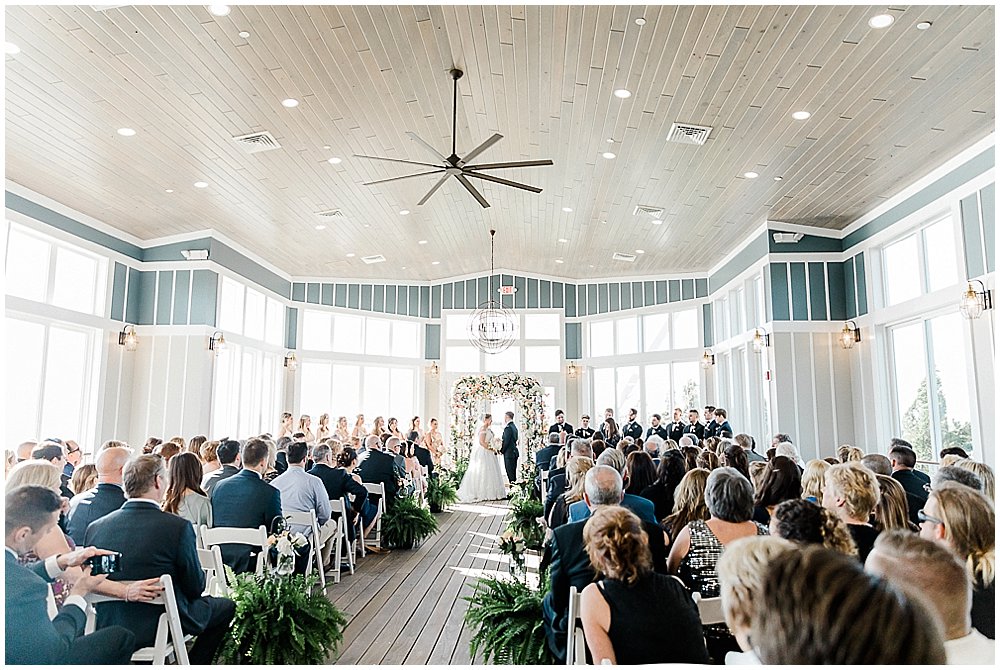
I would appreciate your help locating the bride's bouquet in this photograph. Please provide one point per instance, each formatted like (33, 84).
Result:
(494, 445)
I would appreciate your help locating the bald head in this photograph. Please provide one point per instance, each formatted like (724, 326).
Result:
(24, 450)
(110, 463)
(603, 486)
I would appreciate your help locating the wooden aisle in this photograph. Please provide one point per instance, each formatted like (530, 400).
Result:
(406, 607)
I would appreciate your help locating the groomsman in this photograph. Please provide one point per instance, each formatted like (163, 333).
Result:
(560, 426)
(657, 428)
(584, 431)
(676, 429)
(694, 427)
(711, 427)
(632, 428)
(724, 428)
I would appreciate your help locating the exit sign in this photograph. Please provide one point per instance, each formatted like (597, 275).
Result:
(508, 290)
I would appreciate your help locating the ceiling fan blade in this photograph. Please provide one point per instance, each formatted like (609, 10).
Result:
(496, 137)
(472, 189)
(505, 182)
(509, 164)
(396, 160)
(434, 188)
(405, 176)
(416, 138)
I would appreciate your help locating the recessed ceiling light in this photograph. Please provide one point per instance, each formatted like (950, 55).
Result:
(320, 227)
(778, 178)
(219, 10)
(126, 132)
(640, 251)
(244, 34)
(201, 184)
(403, 268)
(567, 209)
(404, 212)
(563, 240)
(881, 21)
(657, 222)
(801, 116)
(610, 140)
(435, 262)
(608, 155)
(170, 190)
(326, 146)
(290, 102)
(559, 260)
(750, 175)
(924, 25)
(334, 160)
(11, 49)
(350, 255)
(623, 93)
(640, 21)
(422, 242)
(368, 225)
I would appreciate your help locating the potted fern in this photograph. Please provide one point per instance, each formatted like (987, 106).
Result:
(280, 620)
(525, 513)
(440, 494)
(406, 523)
(506, 616)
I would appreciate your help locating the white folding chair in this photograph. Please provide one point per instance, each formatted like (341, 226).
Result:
(709, 609)
(50, 602)
(576, 644)
(544, 477)
(255, 537)
(379, 490)
(170, 636)
(315, 560)
(343, 546)
(215, 572)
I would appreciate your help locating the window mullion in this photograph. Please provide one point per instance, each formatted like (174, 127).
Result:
(932, 381)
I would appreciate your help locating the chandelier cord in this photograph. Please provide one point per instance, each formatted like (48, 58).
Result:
(489, 284)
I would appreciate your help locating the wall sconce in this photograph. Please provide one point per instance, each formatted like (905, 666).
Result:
(761, 340)
(434, 370)
(849, 334)
(707, 359)
(572, 370)
(217, 342)
(291, 362)
(128, 339)
(974, 302)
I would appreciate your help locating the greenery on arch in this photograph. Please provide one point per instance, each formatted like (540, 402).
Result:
(470, 392)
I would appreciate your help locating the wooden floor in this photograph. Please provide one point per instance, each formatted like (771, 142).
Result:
(406, 607)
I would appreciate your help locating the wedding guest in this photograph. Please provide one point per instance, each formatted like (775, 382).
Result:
(904, 460)
(286, 426)
(179, 441)
(378, 427)
(805, 522)
(782, 482)
(24, 450)
(84, 478)
(167, 450)
(557, 477)
(813, 480)
(641, 507)
(339, 483)
(735, 456)
(891, 511)
(196, 444)
(367, 508)
(151, 443)
(323, 429)
(184, 496)
(305, 427)
(788, 450)
(413, 469)
(639, 472)
(301, 492)
(342, 433)
(384, 465)
(54, 452)
(433, 441)
(691, 454)
(576, 471)
(818, 607)
(624, 613)
(228, 452)
(210, 457)
(707, 460)
(757, 471)
(689, 503)
(984, 472)
(953, 473)
(668, 476)
(877, 463)
(101, 500)
(359, 432)
(852, 493)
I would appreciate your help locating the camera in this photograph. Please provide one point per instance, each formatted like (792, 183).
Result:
(104, 564)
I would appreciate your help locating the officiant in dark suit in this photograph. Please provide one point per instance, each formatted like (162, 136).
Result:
(508, 447)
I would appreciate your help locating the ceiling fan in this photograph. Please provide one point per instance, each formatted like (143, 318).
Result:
(453, 166)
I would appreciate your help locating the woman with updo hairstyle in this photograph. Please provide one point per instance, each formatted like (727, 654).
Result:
(707, 460)
(813, 477)
(757, 471)
(735, 457)
(985, 473)
(805, 522)
(348, 461)
(576, 472)
(689, 502)
(624, 614)
(690, 456)
(892, 510)
(639, 472)
(668, 475)
(782, 481)
(167, 450)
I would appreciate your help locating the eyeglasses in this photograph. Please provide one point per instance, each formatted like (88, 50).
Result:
(923, 517)
(72, 451)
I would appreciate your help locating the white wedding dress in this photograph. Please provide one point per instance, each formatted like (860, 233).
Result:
(484, 480)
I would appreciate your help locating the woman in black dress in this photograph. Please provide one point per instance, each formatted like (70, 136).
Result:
(668, 476)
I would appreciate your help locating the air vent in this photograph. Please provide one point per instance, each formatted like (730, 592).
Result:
(648, 210)
(787, 238)
(686, 133)
(254, 143)
(378, 258)
(331, 213)
(619, 256)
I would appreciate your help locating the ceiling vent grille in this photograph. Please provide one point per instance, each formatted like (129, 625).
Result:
(687, 133)
(331, 213)
(648, 210)
(377, 258)
(254, 143)
(787, 238)
(619, 256)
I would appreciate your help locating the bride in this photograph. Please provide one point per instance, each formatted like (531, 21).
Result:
(484, 480)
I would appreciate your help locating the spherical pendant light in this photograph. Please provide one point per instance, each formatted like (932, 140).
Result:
(492, 327)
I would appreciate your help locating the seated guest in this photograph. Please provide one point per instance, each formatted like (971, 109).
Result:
(877, 463)
(209, 458)
(184, 496)
(151, 443)
(953, 451)
(851, 492)
(707, 460)
(384, 465)
(788, 450)
(229, 456)
(55, 453)
(916, 483)
(805, 522)
(625, 612)
(196, 444)
(757, 471)
(891, 511)
(301, 492)
(84, 478)
(691, 454)
(697, 547)
(926, 570)
(813, 479)
(245, 500)
(688, 504)
(742, 568)
(668, 475)
(103, 499)
(167, 450)
(654, 446)
(818, 607)
(782, 481)
(348, 461)
(734, 456)
(964, 521)
(339, 483)
(153, 543)
(953, 473)
(576, 470)
(30, 513)
(639, 472)
(567, 560)
(424, 458)
(545, 454)
(557, 477)
(749, 447)
(984, 472)
(641, 507)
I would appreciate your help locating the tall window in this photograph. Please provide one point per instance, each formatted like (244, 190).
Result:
(249, 312)
(360, 335)
(664, 331)
(921, 262)
(536, 349)
(345, 389)
(654, 388)
(247, 394)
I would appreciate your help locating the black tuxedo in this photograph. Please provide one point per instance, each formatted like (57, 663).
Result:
(89, 506)
(213, 478)
(696, 429)
(153, 543)
(32, 638)
(658, 430)
(675, 429)
(556, 427)
(632, 429)
(569, 565)
(382, 467)
(724, 427)
(508, 447)
(712, 429)
(585, 433)
(243, 501)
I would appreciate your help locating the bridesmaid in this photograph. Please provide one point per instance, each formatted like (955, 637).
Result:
(414, 434)
(433, 442)
(359, 428)
(286, 426)
(393, 428)
(378, 428)
(323, 431)
(342, 434)
(304, 427)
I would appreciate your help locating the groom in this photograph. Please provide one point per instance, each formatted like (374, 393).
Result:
(508, 447)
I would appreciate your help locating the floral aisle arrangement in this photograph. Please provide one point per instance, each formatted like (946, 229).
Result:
(470, 391)
(526, 522)
(283, 547)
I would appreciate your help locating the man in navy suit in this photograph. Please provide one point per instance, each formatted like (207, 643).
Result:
(228, 453)
(31, 637)
(245, 500)
(103, 499)
(153, 543)
(508, 447)
(384, 465)
(339, 484)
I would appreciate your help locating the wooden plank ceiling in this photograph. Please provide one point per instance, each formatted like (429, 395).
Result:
(887, 107)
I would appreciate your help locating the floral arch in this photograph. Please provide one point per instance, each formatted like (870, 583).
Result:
(472, 391)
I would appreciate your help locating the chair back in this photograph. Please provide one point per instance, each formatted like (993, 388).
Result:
(255, 537)
(216, 583)
(709, 609)
(315, 559)
(576, 644)
(343, 547)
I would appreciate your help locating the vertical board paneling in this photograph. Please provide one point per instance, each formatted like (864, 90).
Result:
(838, 299)
(425, 301)
(661, 292)
(988, 200)
(637, 300)
(545, 294)
(706, 322)
(558, 298)
(817, 292)
(182, 291)
(673, 290)
(164, 297)
(432, 341)
(849, 289)
(299, 291)
(574, 341)
(614, 297)
(861, 283)
(973, 237)
(779, 292)
(413, 306)
(700, 288)
(367, 298)
(687, 289)
(602, 298)
(204, 297)
(291, 327)
(118, 292)
(436, 301)
(800, 292)
(312, 293)
(353, 296)
(326, 295)
(521, 296)
(626, 295)
(378, 298)
(390, 299)
(340, 295)
(570, 310)
(532, 297)
(448, 296)
(649, 293)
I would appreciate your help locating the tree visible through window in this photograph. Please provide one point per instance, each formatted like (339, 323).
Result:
(917, 428)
